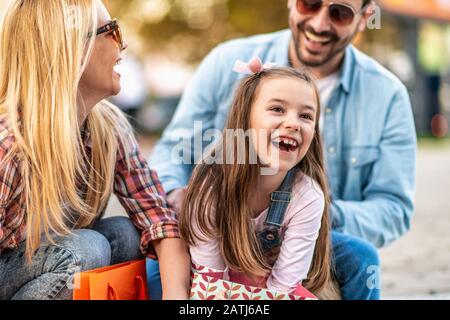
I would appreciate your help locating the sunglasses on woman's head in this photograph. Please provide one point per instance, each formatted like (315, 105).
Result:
(340, 14)
(114, 29)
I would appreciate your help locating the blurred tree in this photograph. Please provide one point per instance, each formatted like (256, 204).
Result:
(189, 29)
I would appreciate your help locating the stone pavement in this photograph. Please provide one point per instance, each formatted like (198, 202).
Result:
(418, 265)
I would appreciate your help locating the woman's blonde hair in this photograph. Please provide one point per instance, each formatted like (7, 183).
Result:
(224, 189)
(44, 47)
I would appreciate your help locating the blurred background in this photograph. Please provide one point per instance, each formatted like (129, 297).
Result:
(168, 38)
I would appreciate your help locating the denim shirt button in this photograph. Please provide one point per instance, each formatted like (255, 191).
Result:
(331, 150)
(354, 160)
(270, 237)
(328, 110)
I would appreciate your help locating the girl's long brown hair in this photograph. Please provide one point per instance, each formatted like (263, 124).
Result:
(217, 200)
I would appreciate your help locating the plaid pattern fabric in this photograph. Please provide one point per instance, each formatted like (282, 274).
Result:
(137, 188)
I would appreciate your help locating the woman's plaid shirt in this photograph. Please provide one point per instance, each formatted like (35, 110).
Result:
(137, 188)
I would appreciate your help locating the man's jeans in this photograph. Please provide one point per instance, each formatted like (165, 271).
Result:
(50, 274)
(356, 265)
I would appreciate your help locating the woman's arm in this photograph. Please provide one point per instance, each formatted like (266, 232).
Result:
(141, 194)
(10, 234)
(174, 266)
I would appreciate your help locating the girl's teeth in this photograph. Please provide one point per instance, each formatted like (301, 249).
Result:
(287, 141)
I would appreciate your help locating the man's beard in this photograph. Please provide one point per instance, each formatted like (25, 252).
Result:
(338, 45)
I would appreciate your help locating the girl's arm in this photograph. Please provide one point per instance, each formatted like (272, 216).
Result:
(206, 252)
(174, 266)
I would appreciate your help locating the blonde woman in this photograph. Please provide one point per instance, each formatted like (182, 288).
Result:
(64, 150)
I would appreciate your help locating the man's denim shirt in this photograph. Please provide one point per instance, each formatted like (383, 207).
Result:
(369, 135)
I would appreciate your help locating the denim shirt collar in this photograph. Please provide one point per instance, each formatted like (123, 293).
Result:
(347, 70)
(282, 52)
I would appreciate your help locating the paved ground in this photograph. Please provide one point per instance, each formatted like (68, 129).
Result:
(418, 265)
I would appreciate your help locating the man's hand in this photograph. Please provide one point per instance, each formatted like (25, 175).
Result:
(175, 198)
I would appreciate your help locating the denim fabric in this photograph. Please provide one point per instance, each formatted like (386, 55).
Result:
(50, 274)
(153, 280)
(123, 237)
(357, 267)
(270, 237)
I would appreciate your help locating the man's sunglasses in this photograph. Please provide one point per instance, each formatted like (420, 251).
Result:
(340, 14)
(114, 29)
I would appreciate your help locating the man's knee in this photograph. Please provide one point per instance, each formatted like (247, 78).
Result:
(364, 251)
(355, 253)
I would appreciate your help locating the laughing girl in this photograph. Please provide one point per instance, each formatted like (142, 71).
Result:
(268, 230)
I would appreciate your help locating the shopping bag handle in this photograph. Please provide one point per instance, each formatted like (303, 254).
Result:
(140, 289)
(112, 293)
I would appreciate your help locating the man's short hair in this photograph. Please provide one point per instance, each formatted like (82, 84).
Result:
(366, 2)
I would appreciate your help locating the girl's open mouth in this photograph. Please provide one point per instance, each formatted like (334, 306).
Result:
(285, 144)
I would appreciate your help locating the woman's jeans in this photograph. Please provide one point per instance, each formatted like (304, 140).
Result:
(356, 266)
(50, 274)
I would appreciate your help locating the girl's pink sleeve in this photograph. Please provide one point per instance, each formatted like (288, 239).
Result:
(303, 218)
(206, 251)
(207, 254)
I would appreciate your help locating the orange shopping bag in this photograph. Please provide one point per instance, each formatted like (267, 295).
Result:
(124, 281)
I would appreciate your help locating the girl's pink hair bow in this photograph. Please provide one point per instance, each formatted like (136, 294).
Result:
(255, 65)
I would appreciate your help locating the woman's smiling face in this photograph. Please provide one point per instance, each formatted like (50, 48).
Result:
(99, 78)
(283, 121)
